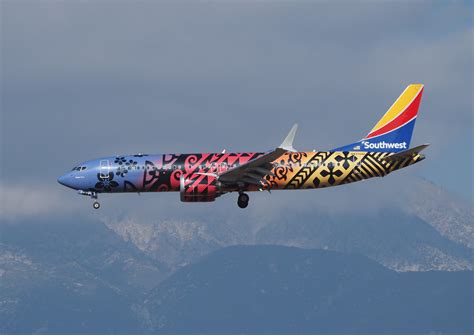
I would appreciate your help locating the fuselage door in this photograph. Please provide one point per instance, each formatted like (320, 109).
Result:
(104, 168)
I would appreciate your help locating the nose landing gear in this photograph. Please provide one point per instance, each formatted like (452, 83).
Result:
(243, 200)
(93, 196)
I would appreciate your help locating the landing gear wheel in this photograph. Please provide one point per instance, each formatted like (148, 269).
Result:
(96, 205)
(243, 200)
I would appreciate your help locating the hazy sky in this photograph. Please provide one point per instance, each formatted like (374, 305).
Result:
(84, 79)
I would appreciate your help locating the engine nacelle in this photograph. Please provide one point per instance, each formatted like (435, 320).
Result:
(198, 188)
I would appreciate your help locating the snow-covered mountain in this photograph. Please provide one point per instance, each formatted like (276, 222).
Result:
(77, 276)
(40, 297)
(450, 215)
(174, 243)
(83, 276)
(430, 230)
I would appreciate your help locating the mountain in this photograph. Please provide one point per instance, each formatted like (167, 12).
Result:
(430, 230)
(71, 277)
(173, 243)
(83, 278)
(450, 215)
(90, 245)
(36, 298)
(398, 240)
(273, 289)
(77, 275)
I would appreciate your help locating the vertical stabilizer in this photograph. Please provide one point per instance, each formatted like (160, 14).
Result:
(392, 133)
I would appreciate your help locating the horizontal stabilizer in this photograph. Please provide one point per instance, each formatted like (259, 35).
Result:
(405, 154)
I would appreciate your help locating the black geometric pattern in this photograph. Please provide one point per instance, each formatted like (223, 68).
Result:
(332, 172)
(372, 165)
(308, 170)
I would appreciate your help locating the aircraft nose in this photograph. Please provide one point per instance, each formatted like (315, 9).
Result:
(63, 180)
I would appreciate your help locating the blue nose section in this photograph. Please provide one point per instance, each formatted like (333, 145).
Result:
(65, 180)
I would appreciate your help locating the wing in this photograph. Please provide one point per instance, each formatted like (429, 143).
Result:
(254, 171)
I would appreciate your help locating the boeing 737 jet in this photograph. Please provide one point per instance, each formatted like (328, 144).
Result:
(204, 177)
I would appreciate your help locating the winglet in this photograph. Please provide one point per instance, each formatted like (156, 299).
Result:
(287, 143)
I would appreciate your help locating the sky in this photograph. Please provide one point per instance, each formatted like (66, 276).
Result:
(85, 79)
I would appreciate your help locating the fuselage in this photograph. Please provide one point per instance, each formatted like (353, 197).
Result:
(167, 172)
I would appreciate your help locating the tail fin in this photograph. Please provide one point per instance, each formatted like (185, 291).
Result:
(393, 132)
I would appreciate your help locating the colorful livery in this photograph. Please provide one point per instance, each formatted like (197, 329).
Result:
(205, 176)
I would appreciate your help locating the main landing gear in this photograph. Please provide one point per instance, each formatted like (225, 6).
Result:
(93, 196)
(243, 200)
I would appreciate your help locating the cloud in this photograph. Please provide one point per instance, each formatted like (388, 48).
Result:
(21, 202)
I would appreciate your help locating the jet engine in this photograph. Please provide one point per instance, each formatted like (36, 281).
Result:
(199, 188)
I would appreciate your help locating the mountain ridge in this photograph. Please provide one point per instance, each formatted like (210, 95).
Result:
(276, 289)
(410, 236)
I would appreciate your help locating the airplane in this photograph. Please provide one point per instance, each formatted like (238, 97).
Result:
(203, 177)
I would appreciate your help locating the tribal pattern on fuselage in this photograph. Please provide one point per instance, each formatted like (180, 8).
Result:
(293, 170)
